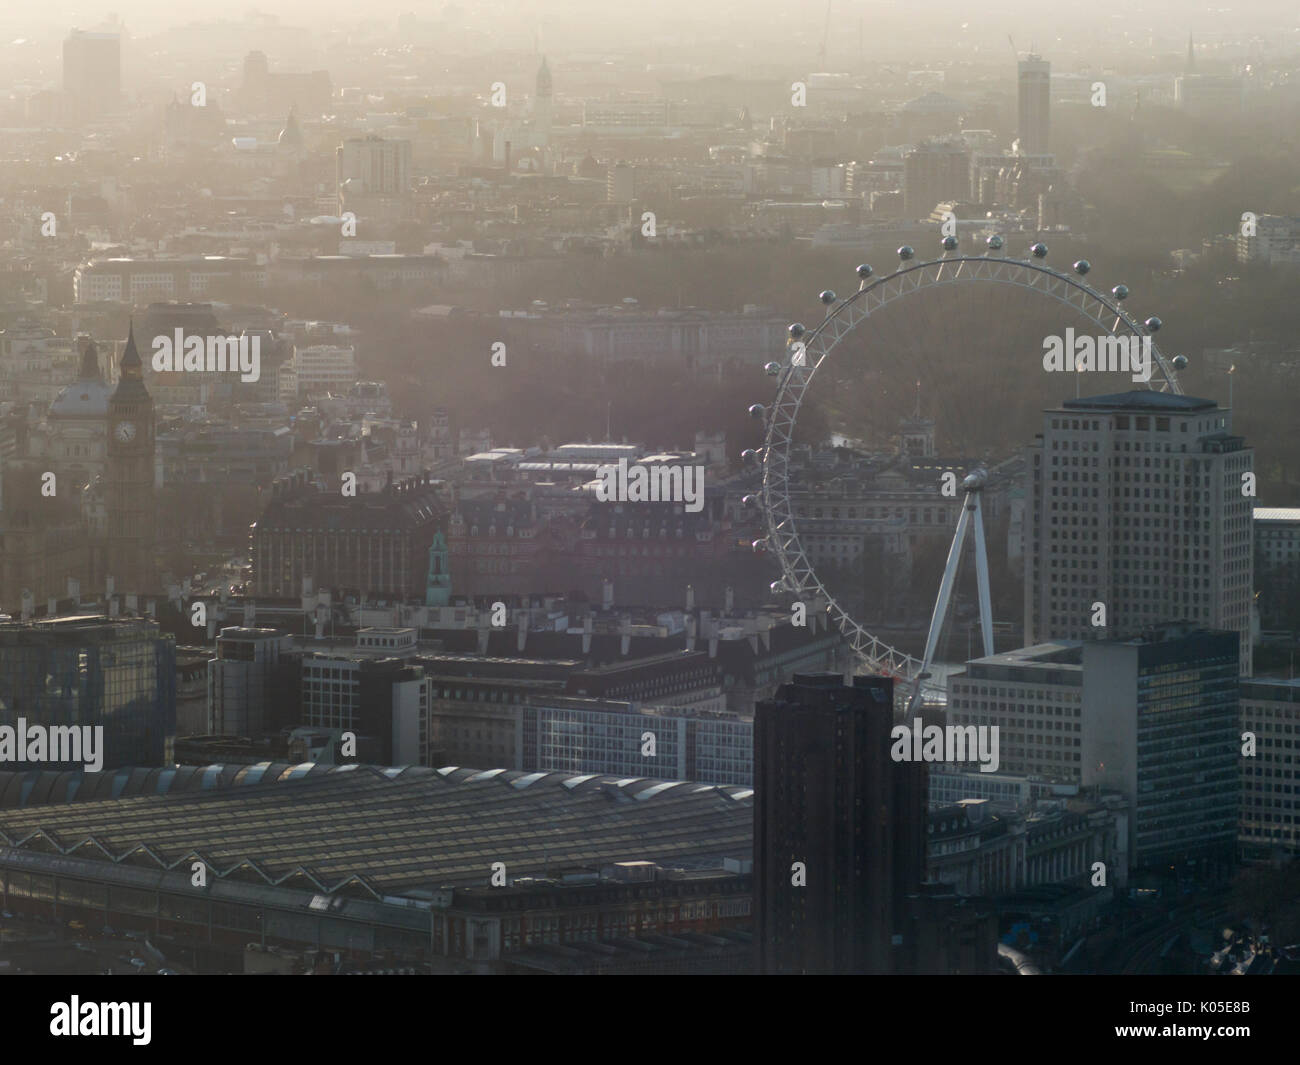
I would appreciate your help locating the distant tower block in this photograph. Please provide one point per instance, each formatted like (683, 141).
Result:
(1033, 112)
(543, 105)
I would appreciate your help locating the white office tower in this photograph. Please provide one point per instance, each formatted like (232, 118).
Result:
(1138, 514)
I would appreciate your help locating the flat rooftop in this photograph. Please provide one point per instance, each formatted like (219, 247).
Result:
(1140, 399)
(1055, 654)
(1277, 514)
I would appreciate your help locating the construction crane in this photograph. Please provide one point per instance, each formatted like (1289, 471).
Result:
(826, 32)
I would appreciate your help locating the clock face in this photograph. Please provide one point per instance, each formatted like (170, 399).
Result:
(125, 432)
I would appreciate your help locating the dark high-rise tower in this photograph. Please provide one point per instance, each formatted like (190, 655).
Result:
(1034, 98)
(129, 477)
(839, 836)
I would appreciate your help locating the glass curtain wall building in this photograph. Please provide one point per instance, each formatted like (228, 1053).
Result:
(114, 673)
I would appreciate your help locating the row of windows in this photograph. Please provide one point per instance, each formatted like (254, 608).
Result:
(1140, 423)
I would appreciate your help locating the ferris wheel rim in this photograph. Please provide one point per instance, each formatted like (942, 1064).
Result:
(798, 574)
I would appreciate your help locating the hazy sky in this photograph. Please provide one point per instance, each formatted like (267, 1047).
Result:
(751, 18)
(757, 37)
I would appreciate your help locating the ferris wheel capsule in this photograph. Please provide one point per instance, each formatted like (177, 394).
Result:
(1153, 324)
(756, 410)
(949, 243)
(779, 586)
(1039, 250)
(1120, 292)
(760, 546)
(772, 368)
(906, 252)
(749, 500)
(994, 242)
(865, 271)
(1082, 266)
(827, 297)
(1180, 362)
(796, 330)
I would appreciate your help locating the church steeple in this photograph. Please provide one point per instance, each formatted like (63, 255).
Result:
(291, 135)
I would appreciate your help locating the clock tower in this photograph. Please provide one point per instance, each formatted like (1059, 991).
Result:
(129, 478)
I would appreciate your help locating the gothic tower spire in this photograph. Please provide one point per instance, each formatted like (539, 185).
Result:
(129, 477)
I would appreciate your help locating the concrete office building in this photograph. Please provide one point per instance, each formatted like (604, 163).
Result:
(373, 690)
(373, 175)
(1152, 719)
(1136, 503)
(600, 736)
(244, 680)
(1162, 728)
(1270, 799)
(934, 172)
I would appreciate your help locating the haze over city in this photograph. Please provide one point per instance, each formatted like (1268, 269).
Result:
(770, 488)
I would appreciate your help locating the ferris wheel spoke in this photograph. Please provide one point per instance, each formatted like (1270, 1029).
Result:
(901, 334)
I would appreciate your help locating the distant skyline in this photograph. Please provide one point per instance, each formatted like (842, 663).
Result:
(897, 26)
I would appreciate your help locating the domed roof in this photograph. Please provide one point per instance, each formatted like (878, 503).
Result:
(82, 399)
(87, 396)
